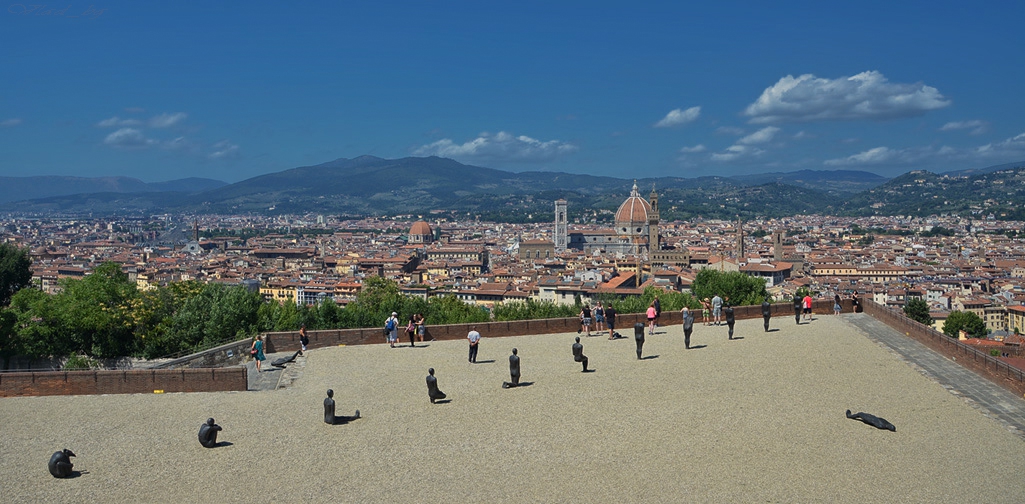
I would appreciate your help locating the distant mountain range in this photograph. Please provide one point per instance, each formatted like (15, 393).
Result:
(29, 188)
(368, 185)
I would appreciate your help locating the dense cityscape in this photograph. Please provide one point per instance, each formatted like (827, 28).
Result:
(954, 264)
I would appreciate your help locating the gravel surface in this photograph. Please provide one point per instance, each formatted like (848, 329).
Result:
(760, 419)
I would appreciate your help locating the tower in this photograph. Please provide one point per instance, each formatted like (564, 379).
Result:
(777, 246)
(740, 241)
(561, 229)
(653, 219)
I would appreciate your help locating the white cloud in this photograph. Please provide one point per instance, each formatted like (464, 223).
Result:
(736, 151)
(867, 95)
(502, 146)
(166, 120)
(801, 135)
(128, 137)
(761, 136)
(10, 123)
(1011, 149)
(729, 130)
(117, 122)
(1014, 146)
(677, 117)
(696, 148)
(978, 127)
(875, 155)
(224, 149)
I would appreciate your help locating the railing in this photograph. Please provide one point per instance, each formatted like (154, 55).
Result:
(950, 346)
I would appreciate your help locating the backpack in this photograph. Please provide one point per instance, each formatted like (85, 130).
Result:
(389, 325)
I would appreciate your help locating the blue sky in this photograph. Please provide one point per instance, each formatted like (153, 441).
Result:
(166, 90)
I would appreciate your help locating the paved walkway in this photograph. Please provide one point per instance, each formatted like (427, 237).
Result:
(989, 398)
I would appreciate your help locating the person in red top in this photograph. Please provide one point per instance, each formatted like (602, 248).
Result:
(807, 306)
(652, 315)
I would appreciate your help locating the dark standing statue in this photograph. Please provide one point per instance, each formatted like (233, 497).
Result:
(766, 313)
(329, 411)
(432, 387)
(208, 433)
(60, 463)
(688, 327)
(730, 319)
(639, 337)
(797, 309)
(578, 353)
(874, 421)
(514, 371)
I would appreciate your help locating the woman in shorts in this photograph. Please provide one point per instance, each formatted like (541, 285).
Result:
(706, 310)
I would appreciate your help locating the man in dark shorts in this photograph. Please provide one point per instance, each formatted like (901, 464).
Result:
(610, 319)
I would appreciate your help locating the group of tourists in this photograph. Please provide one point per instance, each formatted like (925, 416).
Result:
(602, 316)
(414, 329)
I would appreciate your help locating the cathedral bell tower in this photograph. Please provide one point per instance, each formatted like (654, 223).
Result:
(653, 219)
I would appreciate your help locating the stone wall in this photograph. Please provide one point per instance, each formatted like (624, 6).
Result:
(122, 381)
(288, 341)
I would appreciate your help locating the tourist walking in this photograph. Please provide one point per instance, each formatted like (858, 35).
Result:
(474, 338)
(807, 306)
(257, 351)
(304, 339)
(836, 304)
(706, 310)
(688, 326)
(651, 318)
(766, 313)
(797, 309)
(585, 319)
(658, 310)
(391, 329)
(411, 329)
(730, 319)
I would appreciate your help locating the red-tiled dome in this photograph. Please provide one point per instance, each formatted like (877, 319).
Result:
(634, 210)
(421, 228)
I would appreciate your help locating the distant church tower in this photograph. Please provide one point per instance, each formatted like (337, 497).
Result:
(195, 230)
(777, 246)
(653, 221)
(740, 241)
(561, 226)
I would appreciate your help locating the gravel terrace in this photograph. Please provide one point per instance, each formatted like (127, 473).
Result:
(760, 419)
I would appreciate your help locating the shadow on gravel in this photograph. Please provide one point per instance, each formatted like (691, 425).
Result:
(491, 361)
(588, 371)
(223, 443)
(695, 347)
(443, 401)
(649, 357)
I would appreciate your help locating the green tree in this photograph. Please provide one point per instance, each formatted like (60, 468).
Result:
(740, 288)
(15, 271)
(964, 320)
(10, 344)
(918, 310)
(97, 312)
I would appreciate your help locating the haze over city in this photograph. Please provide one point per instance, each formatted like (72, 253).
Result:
(232, 91)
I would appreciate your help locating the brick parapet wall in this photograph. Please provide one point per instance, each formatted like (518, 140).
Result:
(288, 341)
(980, 361)
(122, 382)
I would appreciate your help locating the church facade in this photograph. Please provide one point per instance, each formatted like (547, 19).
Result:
(634, 232)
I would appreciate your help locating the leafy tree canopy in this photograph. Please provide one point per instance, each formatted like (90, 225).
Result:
(964, 320)
(15, 271)
(918, 310)
(741, 289)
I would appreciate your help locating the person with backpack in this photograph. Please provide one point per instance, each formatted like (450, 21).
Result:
(391, 327)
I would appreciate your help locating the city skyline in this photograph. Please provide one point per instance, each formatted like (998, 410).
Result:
(161, 92)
